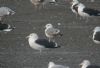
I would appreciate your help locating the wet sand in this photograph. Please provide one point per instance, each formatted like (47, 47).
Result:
(76, 42)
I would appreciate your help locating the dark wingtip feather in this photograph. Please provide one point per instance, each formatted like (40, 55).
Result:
(54, 45)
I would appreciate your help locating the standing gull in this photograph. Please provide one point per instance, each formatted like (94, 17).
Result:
(51, 32)
(40, 44)
(6, 27)
(5, 11)
(96, 35)
(87, 64)
(53, 65)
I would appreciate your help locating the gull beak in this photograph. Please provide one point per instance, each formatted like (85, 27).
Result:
(81, 64)
(27, 37)
(44, 27)
(71, 2)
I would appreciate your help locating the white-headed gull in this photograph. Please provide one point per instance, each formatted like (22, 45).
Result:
(87, 12)
(87, 64)
(5, 11)
(96, 35)
(83, 11)
(40, 44)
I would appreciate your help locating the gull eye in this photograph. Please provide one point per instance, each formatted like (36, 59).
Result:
(56, 30)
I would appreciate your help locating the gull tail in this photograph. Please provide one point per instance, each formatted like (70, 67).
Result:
(10, 28)
(54, 45)
(60, 34)
(97, 13)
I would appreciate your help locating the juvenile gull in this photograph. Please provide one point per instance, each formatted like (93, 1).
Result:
(53, 65)
(37, 3)
(96, 35)
(51, 32)
(6, 27)
(5, 11)
(40, 44)
(87, 64)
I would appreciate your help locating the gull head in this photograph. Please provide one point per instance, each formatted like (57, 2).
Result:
(11, 12)
(85, 63)
(32, 35)
(51, 64)
(49, 26)
(74, 2)
(52, 1)
(8, 11)
(96, 29)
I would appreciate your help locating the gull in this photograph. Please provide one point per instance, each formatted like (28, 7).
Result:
(87, 12)
(83, 11)
(96, 35)
(37, 3)
(74, 6)
(40, 44)
(6, 27)
(5, 11)
(53, 65)
(52, 32)
(87, 64)
(92, 0)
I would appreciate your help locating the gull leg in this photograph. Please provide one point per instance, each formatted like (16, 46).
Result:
(76, 16)
(80, 18)
(40, 52)
(53, 40)
(87, 19)
(1, 19)
(49, 40)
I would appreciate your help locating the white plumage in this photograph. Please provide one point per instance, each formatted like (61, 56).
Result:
(87, 64)
(81, 10)
(53, 65)
(74, 6)
(40, 44)
(5, 11)
(96, 35)
(6, 27)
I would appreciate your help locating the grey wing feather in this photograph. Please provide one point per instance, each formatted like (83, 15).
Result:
(59, 66)
(52, 31)
(4, 10)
